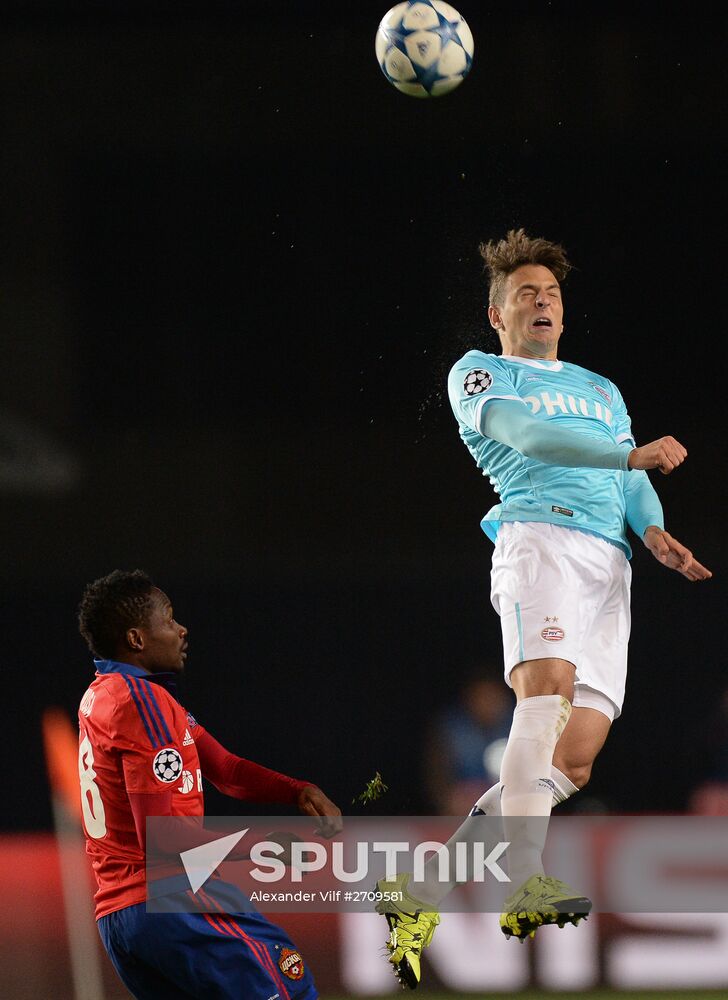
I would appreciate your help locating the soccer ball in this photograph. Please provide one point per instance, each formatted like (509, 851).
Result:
(424, 48)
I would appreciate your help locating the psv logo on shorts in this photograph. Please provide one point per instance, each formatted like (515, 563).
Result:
(291, 964)
(477, 380)
(552, 633)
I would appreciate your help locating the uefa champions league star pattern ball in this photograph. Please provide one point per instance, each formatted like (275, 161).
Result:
(424, 48)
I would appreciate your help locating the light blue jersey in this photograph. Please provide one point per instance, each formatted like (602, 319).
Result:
(565, 395)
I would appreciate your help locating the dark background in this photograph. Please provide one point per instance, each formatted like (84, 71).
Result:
(235, 267)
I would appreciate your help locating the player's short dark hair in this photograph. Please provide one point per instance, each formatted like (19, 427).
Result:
(503, 257)
(111, 605)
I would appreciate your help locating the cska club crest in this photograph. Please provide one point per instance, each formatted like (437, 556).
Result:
(291, 964)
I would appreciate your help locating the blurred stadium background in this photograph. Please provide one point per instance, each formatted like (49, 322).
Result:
(235, 268)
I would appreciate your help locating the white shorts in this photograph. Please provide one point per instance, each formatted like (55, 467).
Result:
(562, 592)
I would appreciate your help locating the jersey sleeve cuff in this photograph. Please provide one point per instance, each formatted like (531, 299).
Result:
(625, 450)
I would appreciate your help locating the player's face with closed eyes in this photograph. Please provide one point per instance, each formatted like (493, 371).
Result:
(530, 320)
(164, 639)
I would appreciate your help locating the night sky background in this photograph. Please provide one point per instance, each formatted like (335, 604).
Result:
(235, 267)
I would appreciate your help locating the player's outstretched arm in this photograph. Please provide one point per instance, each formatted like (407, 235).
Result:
(672, 554)
(244, 779)
(664, 454)
(512, 424)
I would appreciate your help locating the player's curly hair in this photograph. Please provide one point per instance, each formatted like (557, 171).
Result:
(111, 605)
(502, 257)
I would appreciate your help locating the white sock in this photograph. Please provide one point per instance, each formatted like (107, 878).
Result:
(474, 829)
(489, 804)
(526, 792)
(432, 890)
(564, 788)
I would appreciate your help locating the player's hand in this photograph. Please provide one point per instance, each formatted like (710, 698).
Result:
(313, 802)
(672, 554)
(664, 454)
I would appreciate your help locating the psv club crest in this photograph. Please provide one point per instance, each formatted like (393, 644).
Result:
(291, 964)
(552, 633)
(602, 392)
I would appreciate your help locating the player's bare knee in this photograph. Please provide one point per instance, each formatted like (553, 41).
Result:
(548, 676)
(577, 773)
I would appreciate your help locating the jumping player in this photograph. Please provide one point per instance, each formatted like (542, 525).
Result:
(142, 754)
(556, 442)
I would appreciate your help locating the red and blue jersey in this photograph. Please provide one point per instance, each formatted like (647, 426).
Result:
(142, 754)
(134, 736)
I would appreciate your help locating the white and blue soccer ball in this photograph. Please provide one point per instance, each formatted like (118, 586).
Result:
(424, 48)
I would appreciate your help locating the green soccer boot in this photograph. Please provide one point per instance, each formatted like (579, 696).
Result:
(542, 900)
(411, 927)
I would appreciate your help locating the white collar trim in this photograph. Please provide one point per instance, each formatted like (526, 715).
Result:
(549, 366)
